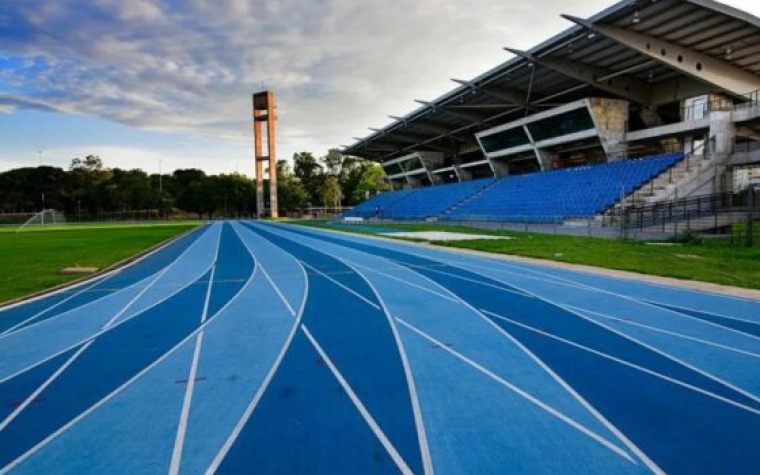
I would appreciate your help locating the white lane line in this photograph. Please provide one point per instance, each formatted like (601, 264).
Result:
(427, 462)
(224, 450)
(43, 386)
(640, 343)
(348, 289)
(100, 278)
(68, 362)
(603, 420)
(52, 307)
(412, 284)
(569, 283)
(479, 282)
(667, 355)
(660, 330)
(627, 363)
(400, 463)
(95, 406)
(721, 315)
(179, 439)
(112, 324)
(265, 273)
(567, 387)
(115, 392)
(520, 392)
(35, 324)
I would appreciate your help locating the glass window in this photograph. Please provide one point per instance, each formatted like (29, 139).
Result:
(504, 139)
(568, 123)
(410, 165)
(392, 169)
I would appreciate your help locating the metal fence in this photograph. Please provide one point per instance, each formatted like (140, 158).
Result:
(731, 214)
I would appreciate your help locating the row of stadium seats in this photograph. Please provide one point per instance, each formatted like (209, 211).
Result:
(418, 203)
(555, 195)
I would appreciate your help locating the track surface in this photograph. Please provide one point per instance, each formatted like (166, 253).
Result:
(249, 347)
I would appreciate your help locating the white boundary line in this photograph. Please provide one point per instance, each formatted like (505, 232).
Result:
(102, 277)
(568, 283)
(400, 463)
(33, 325)
(667, 332)
(348, 289)
(266, 274)
(179, 440)
(398, 279)
(629, 364)
(70, 361)
(526, 263)
(112, 326)
(219, 458)
(115, 392)
(60, 302)
(721, 315)
(520, 392)
(454, 297)
(486, 284)
(427, 462)
(638, 342)
(566, 386)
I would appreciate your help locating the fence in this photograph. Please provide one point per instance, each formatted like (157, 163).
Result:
(732, 214)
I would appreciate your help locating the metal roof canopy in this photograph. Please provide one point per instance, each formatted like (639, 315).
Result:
(607, 55)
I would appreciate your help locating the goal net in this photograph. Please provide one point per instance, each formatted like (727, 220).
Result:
(46, 217)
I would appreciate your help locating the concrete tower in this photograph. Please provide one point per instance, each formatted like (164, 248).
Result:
(264, 112)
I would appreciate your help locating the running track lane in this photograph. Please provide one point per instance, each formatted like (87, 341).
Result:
(308, 351)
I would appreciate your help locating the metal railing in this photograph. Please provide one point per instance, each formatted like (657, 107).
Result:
(715, 212)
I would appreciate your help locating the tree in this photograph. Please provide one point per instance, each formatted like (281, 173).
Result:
(333, 162)
(191, 187)
(291, 194)
(372, 181)
(330, 193)
(309, 172)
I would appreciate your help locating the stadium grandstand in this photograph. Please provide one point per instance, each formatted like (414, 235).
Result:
(644, 102)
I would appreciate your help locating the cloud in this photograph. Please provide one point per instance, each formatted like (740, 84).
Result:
(337, 66)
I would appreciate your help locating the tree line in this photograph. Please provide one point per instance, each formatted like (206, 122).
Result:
(90, 190)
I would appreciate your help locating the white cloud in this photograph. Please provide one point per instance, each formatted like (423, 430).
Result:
(337, 66)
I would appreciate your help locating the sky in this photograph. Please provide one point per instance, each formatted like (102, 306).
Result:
(166, 84)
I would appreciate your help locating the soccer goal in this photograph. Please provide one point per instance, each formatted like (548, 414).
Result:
(45, 217)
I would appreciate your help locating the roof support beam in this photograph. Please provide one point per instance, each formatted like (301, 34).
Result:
(470, 116)
(406, 138)
(512, 97)
(721, 74)
(434, 127)
(630, 88)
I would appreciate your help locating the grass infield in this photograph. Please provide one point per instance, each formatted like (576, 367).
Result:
(31, 260)
(712, 260)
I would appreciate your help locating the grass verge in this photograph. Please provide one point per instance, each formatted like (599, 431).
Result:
(711, 260)
(31, 260)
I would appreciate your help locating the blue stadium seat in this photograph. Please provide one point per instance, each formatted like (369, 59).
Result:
(578, 192)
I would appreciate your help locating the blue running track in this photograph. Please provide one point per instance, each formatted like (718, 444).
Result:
(245, 347)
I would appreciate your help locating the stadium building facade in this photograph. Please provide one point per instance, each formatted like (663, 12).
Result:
(639, 79)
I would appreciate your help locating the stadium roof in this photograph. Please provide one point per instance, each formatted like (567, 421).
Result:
(645, 51)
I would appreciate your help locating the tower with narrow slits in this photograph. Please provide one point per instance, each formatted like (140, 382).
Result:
(264, 113)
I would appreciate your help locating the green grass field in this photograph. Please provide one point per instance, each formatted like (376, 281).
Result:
(31, 260)
(712, 260)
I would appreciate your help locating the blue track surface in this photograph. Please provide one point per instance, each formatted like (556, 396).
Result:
(259, 348)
